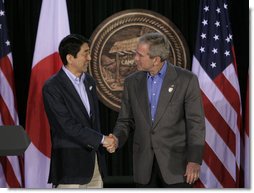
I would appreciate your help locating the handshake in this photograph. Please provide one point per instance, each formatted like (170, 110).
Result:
(110, 143)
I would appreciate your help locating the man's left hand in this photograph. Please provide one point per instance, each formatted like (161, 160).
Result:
(192, 172)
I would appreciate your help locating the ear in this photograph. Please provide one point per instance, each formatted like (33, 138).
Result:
(157, 60)
(69, 58)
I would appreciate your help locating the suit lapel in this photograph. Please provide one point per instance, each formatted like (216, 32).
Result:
(89, 88)
(167, 91)
(66, 82)
(142, 96)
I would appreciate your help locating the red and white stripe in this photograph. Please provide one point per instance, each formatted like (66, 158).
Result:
(10, 172)
(222, 107)
(53, 27)
(247, 142)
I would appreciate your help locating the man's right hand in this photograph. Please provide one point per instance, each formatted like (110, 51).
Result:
(111, 143)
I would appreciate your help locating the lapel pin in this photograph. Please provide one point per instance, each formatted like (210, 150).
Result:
(91, 87)
(171, 88)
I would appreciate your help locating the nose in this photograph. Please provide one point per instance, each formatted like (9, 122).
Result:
(89, 57)
(136, 57)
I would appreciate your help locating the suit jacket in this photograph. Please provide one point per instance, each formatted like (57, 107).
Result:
(75, 136)
(177, 134)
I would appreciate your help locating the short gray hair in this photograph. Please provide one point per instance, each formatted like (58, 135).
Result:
(158, 45)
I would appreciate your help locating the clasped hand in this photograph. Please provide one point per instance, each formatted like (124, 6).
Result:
(110, 143)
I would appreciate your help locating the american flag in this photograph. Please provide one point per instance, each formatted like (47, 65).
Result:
(10, 173)
(247, 140)
(214, 64)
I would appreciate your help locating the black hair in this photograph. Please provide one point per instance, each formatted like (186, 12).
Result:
(71, 44)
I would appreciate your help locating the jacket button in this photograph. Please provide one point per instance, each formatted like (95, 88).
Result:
(152, 132)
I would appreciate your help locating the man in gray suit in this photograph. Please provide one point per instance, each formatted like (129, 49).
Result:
(162, 104)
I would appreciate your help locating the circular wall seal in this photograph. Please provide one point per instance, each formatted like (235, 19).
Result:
(113, 45)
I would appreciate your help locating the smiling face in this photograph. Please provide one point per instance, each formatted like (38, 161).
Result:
(77, 65)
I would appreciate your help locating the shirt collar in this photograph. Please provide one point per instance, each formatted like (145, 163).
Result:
(161, 73)
(72, 77)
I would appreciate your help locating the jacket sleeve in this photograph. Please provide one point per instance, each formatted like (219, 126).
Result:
(125, 119)
(195, 122)
(60, 117)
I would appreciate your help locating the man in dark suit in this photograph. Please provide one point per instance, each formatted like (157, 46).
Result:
(162, 104)
(70, 100)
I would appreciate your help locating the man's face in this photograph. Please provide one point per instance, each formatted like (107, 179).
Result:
(81, 62)
(142, 59)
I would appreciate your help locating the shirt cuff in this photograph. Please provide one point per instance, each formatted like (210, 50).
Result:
(102, 140)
